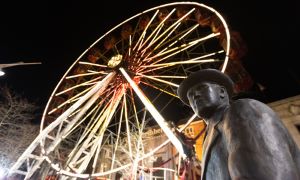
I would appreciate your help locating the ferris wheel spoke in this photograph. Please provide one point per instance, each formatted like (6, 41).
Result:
(162, 41)
(159, 80)
(158, 35)
(140, 40)
(154, 40)
(94, 166)
(162, 92)
(155, 67)
(69, 101)
(133, 113)
(127, 128)
(85, 74)
(173, 40)
(94, 119)
(167, 77)
(173, 51)
(158, 28)
(155, 33)
(130, 45)
(172, 27)
(100, 72)
(134, 109)
(87, 83)
(74, 98)
(118, 135)
(160, 89)
(166, 38)
(193, 61)
(176, 38)
(94, 64)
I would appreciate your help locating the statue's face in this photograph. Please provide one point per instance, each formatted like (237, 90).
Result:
(205, 98)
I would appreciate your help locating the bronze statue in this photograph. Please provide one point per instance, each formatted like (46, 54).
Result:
(245, 138)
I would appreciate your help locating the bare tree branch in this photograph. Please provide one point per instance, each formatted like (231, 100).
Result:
(16, 129)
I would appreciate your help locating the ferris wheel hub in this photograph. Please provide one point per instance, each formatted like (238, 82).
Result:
(115, 61)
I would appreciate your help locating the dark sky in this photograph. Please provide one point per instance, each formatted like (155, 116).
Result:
(56, 33)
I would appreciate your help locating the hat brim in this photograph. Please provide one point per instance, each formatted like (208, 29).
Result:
(205, 75)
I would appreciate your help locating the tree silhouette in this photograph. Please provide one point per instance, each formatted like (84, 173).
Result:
(16, 129)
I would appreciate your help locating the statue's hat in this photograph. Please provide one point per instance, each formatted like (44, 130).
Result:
(204, 75)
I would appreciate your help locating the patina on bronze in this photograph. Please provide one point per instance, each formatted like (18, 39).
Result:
(245, 138)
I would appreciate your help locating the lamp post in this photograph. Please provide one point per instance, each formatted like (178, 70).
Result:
(2, 66)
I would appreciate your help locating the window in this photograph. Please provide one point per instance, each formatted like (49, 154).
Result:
(189, 131)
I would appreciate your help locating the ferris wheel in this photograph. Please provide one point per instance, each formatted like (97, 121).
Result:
(95, 121)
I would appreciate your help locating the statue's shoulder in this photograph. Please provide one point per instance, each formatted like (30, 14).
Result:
(247, 103)
(250, 109)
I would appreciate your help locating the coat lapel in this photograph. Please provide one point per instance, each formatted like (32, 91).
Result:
(210, 138)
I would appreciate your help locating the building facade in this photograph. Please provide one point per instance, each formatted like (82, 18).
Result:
(289, 111)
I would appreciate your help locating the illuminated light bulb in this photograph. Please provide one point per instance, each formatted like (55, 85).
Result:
(2, 73)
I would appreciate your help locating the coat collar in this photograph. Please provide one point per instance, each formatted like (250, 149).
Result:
(210, 138)
(212, 134)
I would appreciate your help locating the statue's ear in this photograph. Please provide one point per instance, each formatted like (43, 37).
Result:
(222, 92)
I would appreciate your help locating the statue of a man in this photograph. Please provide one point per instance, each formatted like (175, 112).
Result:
(245, 139)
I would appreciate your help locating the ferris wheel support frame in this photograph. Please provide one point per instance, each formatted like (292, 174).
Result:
(37, 160)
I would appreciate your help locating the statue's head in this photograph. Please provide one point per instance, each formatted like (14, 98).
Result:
(205, 91)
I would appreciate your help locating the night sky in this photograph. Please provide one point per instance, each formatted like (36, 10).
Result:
(56, 33)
